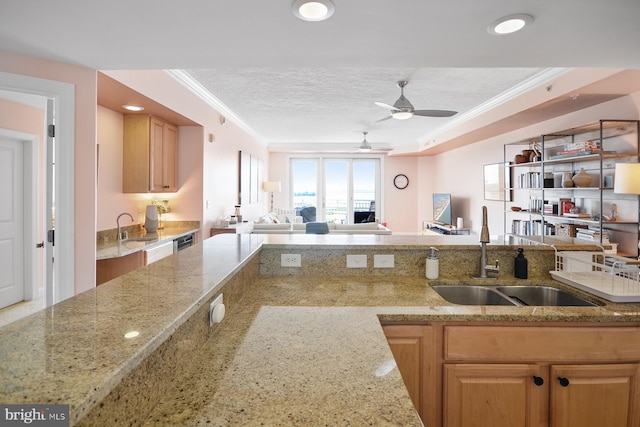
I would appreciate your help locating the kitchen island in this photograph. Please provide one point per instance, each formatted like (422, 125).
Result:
(297, 349)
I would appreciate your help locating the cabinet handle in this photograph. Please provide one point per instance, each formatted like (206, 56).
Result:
(538, 380)
(564, 382)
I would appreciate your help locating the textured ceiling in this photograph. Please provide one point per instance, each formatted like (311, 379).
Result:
(298, 82)
(334, 105)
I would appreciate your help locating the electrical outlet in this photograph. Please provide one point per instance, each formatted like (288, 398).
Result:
(383, 261)
(290, 260)
(216, 310)
(356, 261)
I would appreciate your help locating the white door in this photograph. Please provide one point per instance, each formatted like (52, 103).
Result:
(11, 222)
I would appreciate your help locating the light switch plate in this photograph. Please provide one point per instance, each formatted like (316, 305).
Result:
(356, 261)
(383, 261)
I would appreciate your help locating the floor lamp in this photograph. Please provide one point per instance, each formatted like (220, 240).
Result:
(271, 187)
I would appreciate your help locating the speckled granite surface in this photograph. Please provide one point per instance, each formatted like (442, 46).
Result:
(292, 350)
(112, 248)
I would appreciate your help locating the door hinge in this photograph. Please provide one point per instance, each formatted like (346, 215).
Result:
(51, 131)
(51, 237)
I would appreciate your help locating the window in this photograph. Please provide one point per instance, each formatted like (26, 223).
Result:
(335, 189)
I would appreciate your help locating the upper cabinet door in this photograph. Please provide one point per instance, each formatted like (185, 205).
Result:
(149, 155)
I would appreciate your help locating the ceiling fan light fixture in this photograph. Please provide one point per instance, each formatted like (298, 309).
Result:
(401, 115)
(509, 24)
(313, 10)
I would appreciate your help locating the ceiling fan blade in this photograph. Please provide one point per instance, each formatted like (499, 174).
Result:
(383, 119)
(434, 113)
(387, 106)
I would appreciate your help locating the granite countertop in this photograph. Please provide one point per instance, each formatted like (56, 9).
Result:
(114, 249)
(291, 350)
(298, 350)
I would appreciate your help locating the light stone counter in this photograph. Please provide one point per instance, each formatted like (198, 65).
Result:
(292, 350)
(114, 249)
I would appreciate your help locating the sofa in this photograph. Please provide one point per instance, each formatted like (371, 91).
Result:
(301, 228)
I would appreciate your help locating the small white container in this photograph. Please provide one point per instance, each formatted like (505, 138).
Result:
(432, 265)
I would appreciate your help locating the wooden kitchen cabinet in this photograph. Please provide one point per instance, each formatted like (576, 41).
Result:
(477, 374)
(149, 155)
(563, 376)
(110, 268)
(414, 351)
(494, 395)
(595, 395)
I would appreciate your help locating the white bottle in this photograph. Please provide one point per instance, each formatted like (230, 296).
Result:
(432, 265)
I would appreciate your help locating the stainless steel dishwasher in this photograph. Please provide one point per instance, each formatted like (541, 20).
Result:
(183, 242)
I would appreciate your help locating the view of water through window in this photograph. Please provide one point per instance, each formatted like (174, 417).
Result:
(347, 199)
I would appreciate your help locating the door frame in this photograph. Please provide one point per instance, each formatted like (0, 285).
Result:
(63, 96)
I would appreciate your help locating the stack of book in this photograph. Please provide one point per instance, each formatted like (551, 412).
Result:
(583, 148)
(592, 235)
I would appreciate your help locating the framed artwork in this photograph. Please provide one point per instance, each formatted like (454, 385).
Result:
(497, 182)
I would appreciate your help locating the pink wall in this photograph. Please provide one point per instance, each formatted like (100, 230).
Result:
(185, 204)
(215, 165)
(460, 171)
(84, 81)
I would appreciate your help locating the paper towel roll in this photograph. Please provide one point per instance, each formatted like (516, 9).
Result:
(459, 223)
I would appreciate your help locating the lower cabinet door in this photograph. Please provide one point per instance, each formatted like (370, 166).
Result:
(488, 395)
(413, 350)
(595, 395)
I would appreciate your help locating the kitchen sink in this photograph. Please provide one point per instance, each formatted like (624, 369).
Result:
(543, 295)
(509, 295)
(471, 295)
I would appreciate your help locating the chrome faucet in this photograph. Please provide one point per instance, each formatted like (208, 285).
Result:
(124, 235)
(484, 239)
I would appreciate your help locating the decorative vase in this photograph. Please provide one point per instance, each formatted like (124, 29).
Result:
(566, 180)
(582, 179)
(151, 219)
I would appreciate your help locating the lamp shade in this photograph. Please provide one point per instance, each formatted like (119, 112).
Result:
(627, 178)
(272, 186)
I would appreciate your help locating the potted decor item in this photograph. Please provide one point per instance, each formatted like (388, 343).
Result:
(582, 178)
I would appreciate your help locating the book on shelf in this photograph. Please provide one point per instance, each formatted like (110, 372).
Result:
(576, 215)
(578, 153)
(592, 235)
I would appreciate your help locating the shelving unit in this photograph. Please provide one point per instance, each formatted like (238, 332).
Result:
(536, 187)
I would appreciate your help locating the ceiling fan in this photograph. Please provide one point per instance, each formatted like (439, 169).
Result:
(402, 109)
(365, 147)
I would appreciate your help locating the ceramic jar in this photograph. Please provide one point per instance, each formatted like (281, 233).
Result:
(582, 178)
(567, 182)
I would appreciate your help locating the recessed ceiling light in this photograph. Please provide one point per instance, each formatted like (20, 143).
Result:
(133, 107)
(131, 334)
(313, 10)
(509, 24)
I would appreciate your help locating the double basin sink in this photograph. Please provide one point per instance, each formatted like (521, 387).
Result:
(509, 295)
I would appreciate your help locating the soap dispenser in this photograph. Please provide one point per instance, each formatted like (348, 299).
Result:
(520, 266)
(432, 264)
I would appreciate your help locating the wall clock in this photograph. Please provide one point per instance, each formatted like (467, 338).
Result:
(401, 181)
